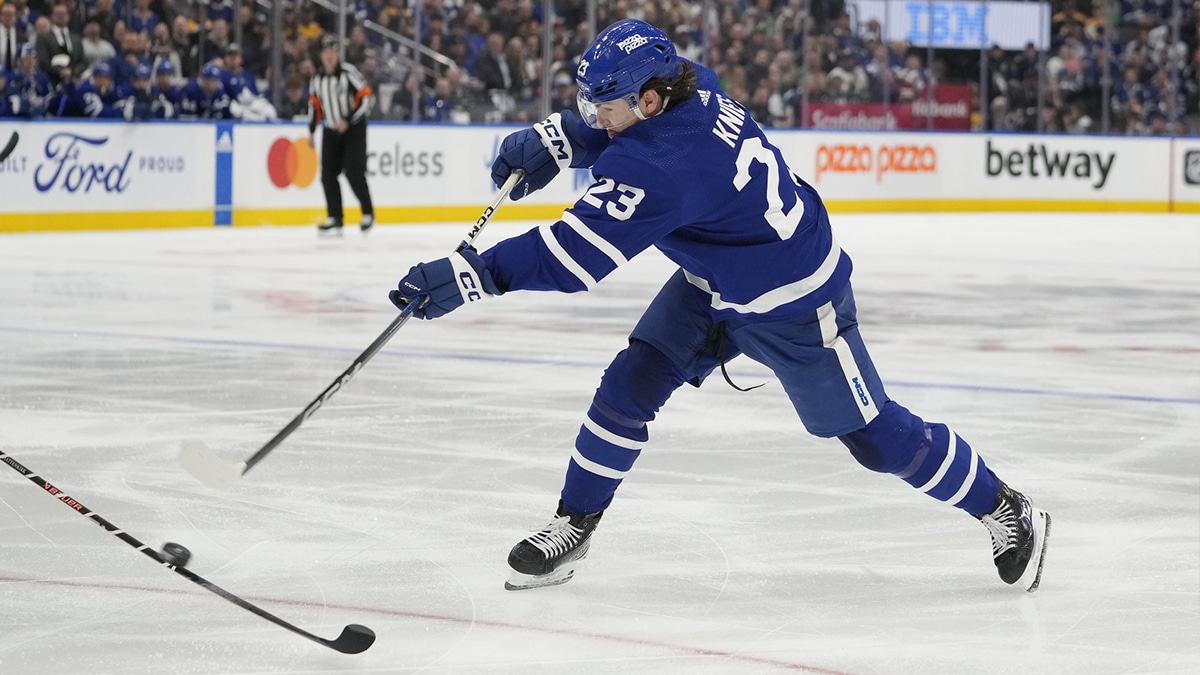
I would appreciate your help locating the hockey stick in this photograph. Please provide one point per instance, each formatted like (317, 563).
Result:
(200, 460)
(353, 640)
(10, 146)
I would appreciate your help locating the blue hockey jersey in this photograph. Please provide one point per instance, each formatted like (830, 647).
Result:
(701, 183)
(86, 100)
(193, 102)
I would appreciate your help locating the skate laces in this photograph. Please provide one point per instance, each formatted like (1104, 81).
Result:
(557, 537)
(1002, 525)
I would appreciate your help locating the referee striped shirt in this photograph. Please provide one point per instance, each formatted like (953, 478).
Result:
(344, 95)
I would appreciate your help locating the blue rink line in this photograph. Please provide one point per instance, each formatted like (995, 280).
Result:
(1015, 391)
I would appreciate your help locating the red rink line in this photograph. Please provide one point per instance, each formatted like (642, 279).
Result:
(697, 651)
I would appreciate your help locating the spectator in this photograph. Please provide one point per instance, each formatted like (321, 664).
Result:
(294, 105)
(853, 78)
(142, 19)
(11, 38)
(95, 48)
(438, 105)
(492, 67)
(162, 48)
(102, 13)
(60, 40)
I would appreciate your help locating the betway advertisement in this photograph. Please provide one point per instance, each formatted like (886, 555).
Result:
(945, 171)
(88, 170)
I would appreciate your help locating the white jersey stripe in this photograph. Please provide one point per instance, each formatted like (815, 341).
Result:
(827, 319)
(780, 296)
(598, 469)
(968, 483)
(949, 459)
(560, 254)
(609, 437)
(594, 239)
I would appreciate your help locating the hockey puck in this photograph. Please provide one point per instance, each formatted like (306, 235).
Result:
(175, 554)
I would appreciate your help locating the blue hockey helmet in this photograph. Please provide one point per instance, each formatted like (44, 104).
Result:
(165, 66)
(621, 59)
(212, 71)
(102, 70)
(142, 71)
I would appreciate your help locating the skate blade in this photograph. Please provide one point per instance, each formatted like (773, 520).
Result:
(1041, 534)
(524, 582)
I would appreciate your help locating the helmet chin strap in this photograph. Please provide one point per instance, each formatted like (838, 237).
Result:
(661, 109)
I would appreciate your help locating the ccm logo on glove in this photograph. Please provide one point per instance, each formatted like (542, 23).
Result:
(436, 288)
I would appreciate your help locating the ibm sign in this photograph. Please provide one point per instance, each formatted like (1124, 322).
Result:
(959, 25)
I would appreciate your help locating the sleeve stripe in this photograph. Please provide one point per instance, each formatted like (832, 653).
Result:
(565, 259)
(594, 239)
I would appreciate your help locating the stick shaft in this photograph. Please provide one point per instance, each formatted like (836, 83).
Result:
(153, 555)
(380, 341)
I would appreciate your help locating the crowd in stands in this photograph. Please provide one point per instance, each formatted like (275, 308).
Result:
(1133, 63)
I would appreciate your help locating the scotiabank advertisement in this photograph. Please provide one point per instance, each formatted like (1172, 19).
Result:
(948, 109)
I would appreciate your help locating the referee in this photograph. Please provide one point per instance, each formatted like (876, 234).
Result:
(340, 99)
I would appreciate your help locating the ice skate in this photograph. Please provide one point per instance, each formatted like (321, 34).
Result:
(1019, 533)
(332, 227)
(368, 221)
(548, 557)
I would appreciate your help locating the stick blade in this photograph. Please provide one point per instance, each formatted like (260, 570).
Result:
(355, 639)
(207, 467)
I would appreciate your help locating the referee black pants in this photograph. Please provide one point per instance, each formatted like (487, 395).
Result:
(345, 153)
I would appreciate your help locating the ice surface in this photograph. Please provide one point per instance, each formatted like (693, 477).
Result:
(1065, 348)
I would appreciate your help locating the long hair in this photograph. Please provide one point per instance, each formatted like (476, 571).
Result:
(677, 90)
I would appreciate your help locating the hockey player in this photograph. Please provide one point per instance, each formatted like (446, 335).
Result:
(245, 101)
(10, 102)
(164, 75)
(680, 166)
(139, 101)
(30, 83)
(205, 96)
(96, 97)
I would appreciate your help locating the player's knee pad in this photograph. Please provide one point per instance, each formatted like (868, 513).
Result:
(928, 456)
(889, 442)
(636, 384)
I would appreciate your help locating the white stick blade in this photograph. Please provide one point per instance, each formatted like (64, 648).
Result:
(206, 467)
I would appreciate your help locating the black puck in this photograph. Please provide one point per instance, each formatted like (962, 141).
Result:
(175, 554)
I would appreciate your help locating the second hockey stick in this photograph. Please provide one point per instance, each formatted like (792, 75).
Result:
(202, 462)
(353, 640)
(10, 146)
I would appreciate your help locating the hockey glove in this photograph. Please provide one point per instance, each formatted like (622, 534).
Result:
(442, 286)
(540, 151)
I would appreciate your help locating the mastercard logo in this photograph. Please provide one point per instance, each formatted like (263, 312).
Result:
(292, 163)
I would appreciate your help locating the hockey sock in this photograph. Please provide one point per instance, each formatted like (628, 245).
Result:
(634, 387)
(928, 456)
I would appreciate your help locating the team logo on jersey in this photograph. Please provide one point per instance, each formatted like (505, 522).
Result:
(632, 42)
(291, 163)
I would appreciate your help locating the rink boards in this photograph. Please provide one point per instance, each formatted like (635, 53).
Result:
(99, 175)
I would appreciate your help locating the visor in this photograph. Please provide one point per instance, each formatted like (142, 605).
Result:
(587, 109)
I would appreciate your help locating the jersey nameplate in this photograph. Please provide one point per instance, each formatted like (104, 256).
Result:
(729, 121)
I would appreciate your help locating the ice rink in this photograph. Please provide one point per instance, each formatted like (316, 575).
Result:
(1065, 348)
